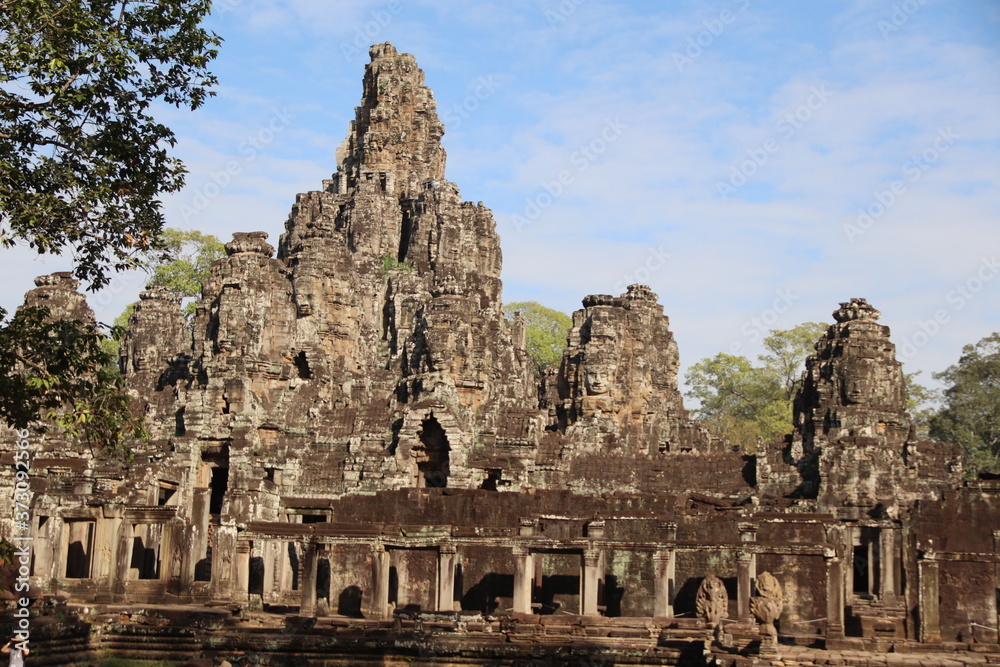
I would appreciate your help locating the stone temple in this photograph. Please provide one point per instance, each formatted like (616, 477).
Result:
(352, 462)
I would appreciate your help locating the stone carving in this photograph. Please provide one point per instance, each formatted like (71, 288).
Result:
(618, 379)
(768, 604)
(854, 446)
(712, 602)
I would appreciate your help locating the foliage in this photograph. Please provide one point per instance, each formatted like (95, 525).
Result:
(390, 263)
(786, 353)
(545, 332)
(83, 163)
(7, 550)
(62, 371)
(970, 416)
(739, 401)
(746, 403)
(919, 403)
(185, 264)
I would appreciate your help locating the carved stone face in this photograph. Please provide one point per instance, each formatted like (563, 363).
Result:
(597, 380)
(857, 383)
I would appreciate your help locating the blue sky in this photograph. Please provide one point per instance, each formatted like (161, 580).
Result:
(755, 163)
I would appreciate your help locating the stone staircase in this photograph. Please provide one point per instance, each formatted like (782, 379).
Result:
(167, 644)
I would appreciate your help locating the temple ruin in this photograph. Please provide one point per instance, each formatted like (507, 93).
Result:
(351, 460)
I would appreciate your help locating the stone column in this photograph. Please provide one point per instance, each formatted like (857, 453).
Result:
(887, 563)
(197, 547)
(123, 559)
(307, 607)
(743, 591)
(242, 592)
(663, 598)
(590, 582)
(43, 551)
(104, 547)
(447, 559)
(748, 533)
(996, 575)
(928, 601)
(380, 595)
(523, 579)
(270, 554)
(834, 595)
(223, 565)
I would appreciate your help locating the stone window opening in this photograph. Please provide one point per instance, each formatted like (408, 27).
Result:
(145, 562)
(302, 366)
(166, 494)
(433, 460)
(865, 556)
(494, 478)
(219, 485)
(80, 538)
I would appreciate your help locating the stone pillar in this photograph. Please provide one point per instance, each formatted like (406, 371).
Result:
(104, 547)
(748, 533)
(590, 582)
(996, 576)
(663, 598)
(307, 607)
(43, 551)
(447, 559)
(834, 595)
(123, 559)
(887, 563)
(223, 565)
(928, 601)
(269, 552)
(523, 579)
(380, 574)
(197, 547)
(743, 591)
(242, 592)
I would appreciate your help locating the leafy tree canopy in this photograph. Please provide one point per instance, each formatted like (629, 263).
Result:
(748, 403)
(744, 402)
(970, 416)
(545, 331)
(83, 163)
(82, 160)
(62, 371)
(186, 262)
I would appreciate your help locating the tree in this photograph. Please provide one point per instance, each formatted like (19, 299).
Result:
(185, 265)
(745, 403)
(62, 372)
(970, 416)
(545, 332)
(786, 353)
(83, 162)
